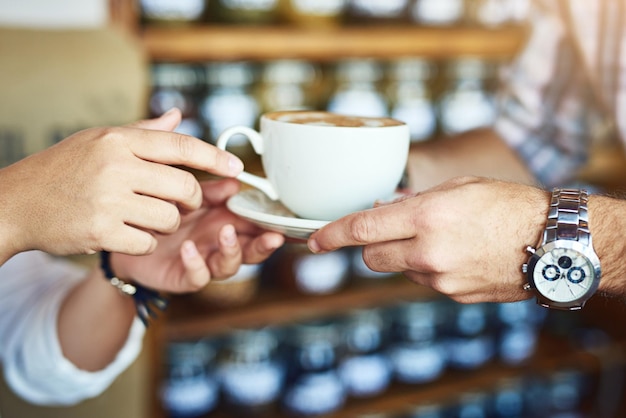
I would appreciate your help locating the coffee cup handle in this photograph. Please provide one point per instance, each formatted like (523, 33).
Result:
(257, 143)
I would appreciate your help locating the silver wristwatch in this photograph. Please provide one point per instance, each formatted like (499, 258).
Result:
(564, 271)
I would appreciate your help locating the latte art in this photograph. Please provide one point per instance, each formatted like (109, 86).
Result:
(331, 119)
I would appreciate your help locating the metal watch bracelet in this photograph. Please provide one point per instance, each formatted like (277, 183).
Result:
(568, 218)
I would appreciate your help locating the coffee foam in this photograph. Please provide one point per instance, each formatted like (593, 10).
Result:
(331, 119)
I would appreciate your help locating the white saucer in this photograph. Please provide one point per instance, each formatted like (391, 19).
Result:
(255, 206)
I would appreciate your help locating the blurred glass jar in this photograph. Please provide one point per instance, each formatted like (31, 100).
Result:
(467, 102)
(517, 344)
(313, 384)
(313, 13)
(236, 290)
(251, 374)
(438, 12)
(410, 93)
(426, 410)
(190, 388)
(230, 102)
(287, 85)
(472, 405)
(378, 12)
(470, 337)
(490, 13)
(173, 12)
(177, 85)
(298, 268)
(567, 389)
(519, 324)
(520, 11)
(248, 12)
(364, 368)
(415, 349)
(508, 399)
(358, 89)
(524, 311)
(536, 395)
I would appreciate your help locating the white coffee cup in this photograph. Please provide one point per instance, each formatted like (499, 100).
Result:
(322, 165)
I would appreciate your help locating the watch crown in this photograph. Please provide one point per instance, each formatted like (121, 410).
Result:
(530, 250)
(524, 268)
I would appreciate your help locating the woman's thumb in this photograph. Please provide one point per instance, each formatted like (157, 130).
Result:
(168, 121)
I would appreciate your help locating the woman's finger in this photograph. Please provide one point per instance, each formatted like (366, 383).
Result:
(225, 262)
(196, 274)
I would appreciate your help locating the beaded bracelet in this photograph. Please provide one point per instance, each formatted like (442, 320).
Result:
(143, 297)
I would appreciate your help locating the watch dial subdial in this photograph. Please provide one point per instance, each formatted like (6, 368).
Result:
(576, 275)
(551, 272)
(565, 262)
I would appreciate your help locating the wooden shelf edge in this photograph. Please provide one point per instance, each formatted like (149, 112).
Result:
(275, 308)
(213, 43)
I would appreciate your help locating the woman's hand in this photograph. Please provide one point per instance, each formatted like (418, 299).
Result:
(106, 189)
(211, 243)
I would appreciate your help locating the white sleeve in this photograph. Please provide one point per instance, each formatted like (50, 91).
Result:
(32, 288)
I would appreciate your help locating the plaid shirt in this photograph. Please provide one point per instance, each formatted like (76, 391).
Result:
(569, 77)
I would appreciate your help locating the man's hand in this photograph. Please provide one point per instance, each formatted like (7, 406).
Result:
(464, 238)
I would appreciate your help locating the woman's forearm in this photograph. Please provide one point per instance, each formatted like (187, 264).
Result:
(94, 322)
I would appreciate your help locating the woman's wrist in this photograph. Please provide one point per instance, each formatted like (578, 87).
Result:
(147, 301)
(12, 236)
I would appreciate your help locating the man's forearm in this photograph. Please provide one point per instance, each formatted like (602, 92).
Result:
(478, 153)
(607, 222)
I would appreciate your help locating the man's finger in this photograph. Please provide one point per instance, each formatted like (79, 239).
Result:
(391, 257)
(385, 223)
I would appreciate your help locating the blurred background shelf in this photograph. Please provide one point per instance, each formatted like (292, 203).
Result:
(190, 317)
(265, 43)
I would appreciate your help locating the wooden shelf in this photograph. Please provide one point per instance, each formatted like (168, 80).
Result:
(209, 43)
(191, 317)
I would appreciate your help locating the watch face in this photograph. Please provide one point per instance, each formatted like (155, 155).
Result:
(564, 274)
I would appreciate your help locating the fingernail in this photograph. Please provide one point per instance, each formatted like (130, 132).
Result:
(230, 236)
(314, 246)
(189, 250)
(235, 165)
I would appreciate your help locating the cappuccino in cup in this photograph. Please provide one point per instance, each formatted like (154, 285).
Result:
(331, 119)
(322, 165)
